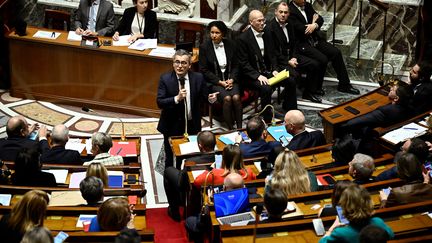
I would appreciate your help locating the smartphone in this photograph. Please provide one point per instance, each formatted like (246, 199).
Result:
(60, 237)
(245, 137)
(33, 135)
(318, 226)
(387, 191)
(284, 141)
(342, 218)
(428, 165)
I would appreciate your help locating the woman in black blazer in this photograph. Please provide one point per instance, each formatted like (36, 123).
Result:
(218, 65)
(137, 21)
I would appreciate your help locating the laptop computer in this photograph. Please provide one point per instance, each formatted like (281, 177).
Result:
(232, 207)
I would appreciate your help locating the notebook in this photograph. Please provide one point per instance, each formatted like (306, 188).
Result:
(231, 207)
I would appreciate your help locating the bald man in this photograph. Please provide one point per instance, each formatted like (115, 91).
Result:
(258, 63)
(18, 132)
(302, 139)
(58, 154)
(233, 181)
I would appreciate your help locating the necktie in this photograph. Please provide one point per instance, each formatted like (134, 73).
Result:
(218, 45)
(260, 34)
(92, 17)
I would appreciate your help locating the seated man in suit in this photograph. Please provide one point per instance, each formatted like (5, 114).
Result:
(420, 81)
(58, 154)
(92, 190)
(206, 143)
(399, 109)
(256, 130)
(361, 168)
(302, 139)
(101, 144)
(18, 132)
(258, 63)
(307, 23)
(94, 18)
(285, 45)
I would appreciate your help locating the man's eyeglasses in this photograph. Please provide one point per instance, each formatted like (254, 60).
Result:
(183, 63)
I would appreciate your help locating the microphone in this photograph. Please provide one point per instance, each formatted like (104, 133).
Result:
(182, 82)
(123, 135)
(273, 121)
(259, 209)
(182, 86)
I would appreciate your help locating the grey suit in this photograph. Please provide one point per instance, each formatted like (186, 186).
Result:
(105, 20)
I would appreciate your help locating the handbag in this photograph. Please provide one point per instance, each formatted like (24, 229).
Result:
(204, 217)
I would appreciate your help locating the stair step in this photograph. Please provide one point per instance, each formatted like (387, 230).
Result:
(369, 50)
(327, 27)
(348, 34)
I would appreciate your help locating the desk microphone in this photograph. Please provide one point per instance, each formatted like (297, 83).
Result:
(273, 121)
(123, 135)
(182, 86)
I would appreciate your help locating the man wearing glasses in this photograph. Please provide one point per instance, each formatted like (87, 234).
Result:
(179, 96)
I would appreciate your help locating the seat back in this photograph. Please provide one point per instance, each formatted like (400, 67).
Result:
(191, 32)
(57, 19)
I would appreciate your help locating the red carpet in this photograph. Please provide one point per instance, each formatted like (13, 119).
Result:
(166, 229)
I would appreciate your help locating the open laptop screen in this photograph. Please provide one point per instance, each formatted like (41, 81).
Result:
(231, 202)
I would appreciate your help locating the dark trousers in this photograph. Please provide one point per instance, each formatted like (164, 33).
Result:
(175, 184)
(314, 71)
(265, 92)
(290, 90)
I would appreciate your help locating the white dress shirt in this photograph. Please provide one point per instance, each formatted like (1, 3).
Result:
(259, 39)
(138, 24)
(188, 105)
(220, 56)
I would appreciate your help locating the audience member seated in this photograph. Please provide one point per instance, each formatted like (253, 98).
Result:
(92, 190)
(275, 203)
(206, 144)
(114, 214)
(28, 170)
(194, 225)
(256, 130)
(101, 144)
(357, 207)
(330, 209)
(38, 234)
(416, 188)
(27, 213)
(138, 22)
(128, 236)
(232, 162)
(302, 139)
(421, 84)
(94, 17)
(373, 234)
(218, 64)
(343, 150)
(58, 154)
(98, 170)
(18, 132)
(361, 168)
(398, 110)
(415, 146)
(290, 175)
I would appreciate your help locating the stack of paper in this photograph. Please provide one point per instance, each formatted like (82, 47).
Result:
(162, 52)
(229, 138)
(189, 147)
(76, 179)
(279, 77)
(60, 175)
(46, 34)
(72, 36)
(142, 44)
(408, 131)
(75, 144)
(66, 198)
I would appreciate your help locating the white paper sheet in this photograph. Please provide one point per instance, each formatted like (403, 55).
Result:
(5, 199)
(196, 173)
(76, 179)
(72, 36)
(60, 175)
(75, 144)
(47, 34)
(123, 41)
(162, 52)
(142, 44)
(411, 130)
(189, 147)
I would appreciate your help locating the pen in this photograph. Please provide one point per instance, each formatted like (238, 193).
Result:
(53, 34)
(410, 128)
(118, 152)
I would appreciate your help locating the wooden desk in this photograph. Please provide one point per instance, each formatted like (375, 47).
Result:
(334, 116)
(61, 71)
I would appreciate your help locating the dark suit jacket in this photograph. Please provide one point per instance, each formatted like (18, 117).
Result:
(105, 19)
(258, 148)
(283, 50)
(150, 22)
(40, 178)
(409, 193)
(172, 119)
(60, 155)
(307, 140)
(9, 147)
(422, 97)
(209, 65)
(203, 158)
(252, 63)
(298, 21)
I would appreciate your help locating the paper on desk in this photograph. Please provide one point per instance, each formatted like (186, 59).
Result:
(66, 198)
(196, 173)
(229, 138)
(189, 147)
(82, 218)
(142, 44)
(162, 52)
(46, 34)
(258, 166)
(75, 144)
(411, 130)
(88, 143)
(123, 41)
(5, 199)
(76, 179)
(72, 36)
(60, 175)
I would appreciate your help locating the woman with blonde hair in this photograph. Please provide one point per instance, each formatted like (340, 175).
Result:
(232, 162)
(290, 175)
(98, 170)
(357, 207)
(28, 213)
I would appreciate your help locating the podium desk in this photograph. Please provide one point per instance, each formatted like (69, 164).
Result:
(335, 116)
(62, 71)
